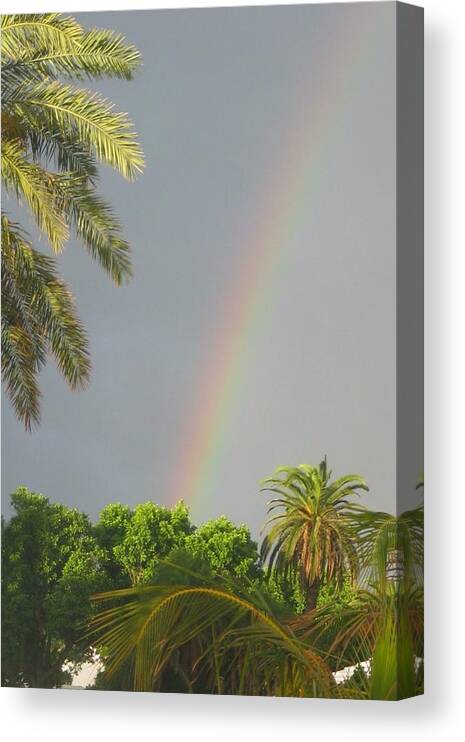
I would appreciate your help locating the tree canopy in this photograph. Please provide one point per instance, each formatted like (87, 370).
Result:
(227, 548)
(181, 608)
(150, 532)
(51, 565)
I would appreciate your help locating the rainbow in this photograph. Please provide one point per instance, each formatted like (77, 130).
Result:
(285, 203)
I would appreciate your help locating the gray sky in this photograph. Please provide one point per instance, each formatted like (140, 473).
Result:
(271, 126)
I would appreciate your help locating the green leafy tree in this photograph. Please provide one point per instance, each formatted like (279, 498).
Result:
(110, 532)
(286, 590)
(51, 565)
(54, 134)
(227, 548)
(309, 529)
(331, 594)
(152, 532)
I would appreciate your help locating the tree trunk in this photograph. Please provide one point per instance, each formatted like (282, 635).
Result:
(312, 595)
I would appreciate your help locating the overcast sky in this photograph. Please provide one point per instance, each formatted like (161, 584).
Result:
(220, 104)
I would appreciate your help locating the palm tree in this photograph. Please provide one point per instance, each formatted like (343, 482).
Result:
(310, 537)
(54, 134)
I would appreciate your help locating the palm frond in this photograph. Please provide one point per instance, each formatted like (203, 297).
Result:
(85, 116)
(66, 155)
(101, 53)
(390, 544)
(19, 372)
(24, 33)
(38, 316)
(232, 631)
(98, 228)
(31, 183)
(384, 627)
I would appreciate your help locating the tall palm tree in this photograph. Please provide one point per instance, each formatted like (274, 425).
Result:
(54, 134)
(309, 529)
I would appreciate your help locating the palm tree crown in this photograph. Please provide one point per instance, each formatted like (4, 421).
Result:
(54, 134)
(309, 534)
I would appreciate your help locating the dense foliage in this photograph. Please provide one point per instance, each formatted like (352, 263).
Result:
(202, 610)
(54, 559)
(51, 565)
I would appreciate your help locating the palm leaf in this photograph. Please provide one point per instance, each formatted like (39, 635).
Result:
(101, 53)
(153, 622)
(20, 369)
(31, 183)
(87, 117)
(22, 33)
(97, 226)
(38, 316)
